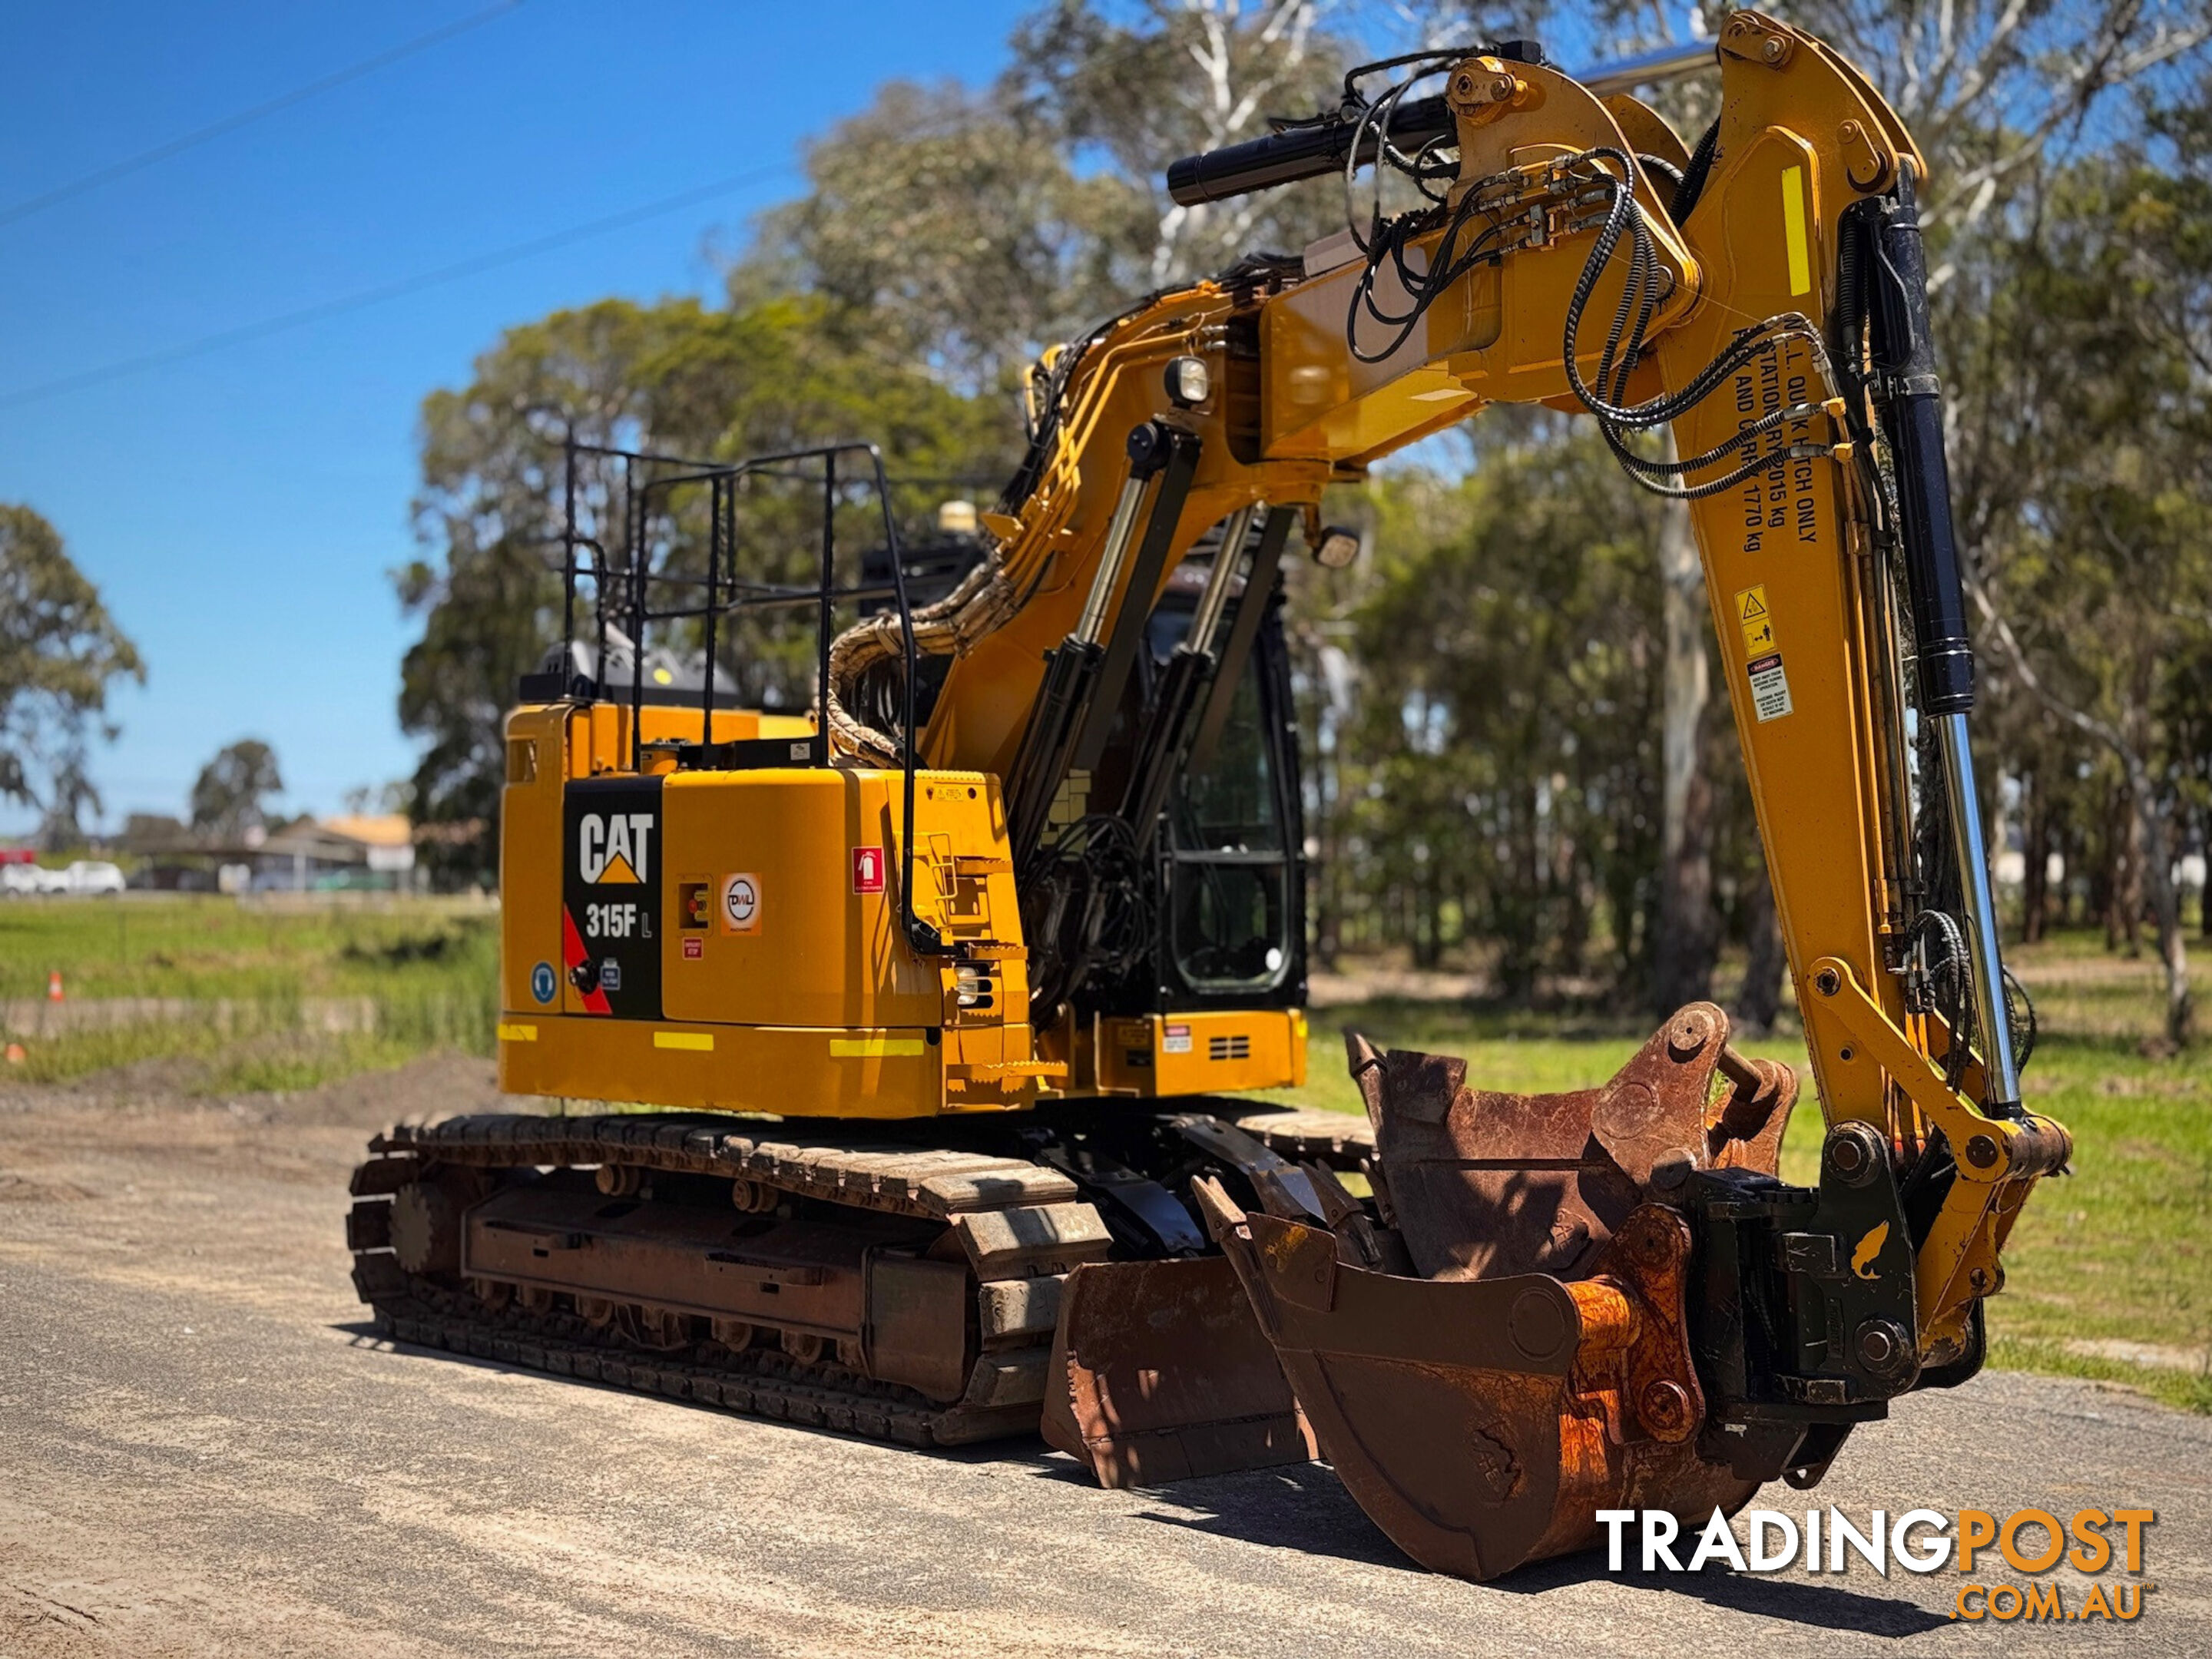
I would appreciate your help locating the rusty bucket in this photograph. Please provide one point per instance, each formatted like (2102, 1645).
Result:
(1159, 1372)
(1538, 1369)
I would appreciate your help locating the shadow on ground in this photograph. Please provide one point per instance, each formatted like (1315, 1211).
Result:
(1304, 1507)
(1307, 1508)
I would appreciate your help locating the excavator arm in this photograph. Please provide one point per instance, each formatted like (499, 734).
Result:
(1611, 1293)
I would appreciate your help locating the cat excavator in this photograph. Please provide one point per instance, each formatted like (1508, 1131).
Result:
(901, 1050)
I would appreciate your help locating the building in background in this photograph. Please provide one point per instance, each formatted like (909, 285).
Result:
(350, 852)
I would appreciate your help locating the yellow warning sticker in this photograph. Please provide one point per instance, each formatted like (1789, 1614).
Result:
(875, 1047)
(1756, 621)
(1793, 231)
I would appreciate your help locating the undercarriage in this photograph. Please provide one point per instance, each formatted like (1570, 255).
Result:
(1539, 1306)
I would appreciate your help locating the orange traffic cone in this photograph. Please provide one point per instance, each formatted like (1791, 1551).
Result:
(54, 986)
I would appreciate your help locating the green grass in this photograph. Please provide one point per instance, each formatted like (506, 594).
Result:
(211, 947)
(259, 977)
(2118, 1250)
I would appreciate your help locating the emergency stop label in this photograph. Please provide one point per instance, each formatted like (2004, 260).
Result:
(1770, 686)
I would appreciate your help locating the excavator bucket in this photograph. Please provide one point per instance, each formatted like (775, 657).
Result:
(1159, 1372)
(1535, 1365)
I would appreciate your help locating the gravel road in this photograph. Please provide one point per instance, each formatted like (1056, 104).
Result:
(203, 1450)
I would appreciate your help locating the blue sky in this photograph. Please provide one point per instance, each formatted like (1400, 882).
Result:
(239, 510)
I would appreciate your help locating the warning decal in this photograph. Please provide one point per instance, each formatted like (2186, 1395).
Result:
(1756, 621)
(1770, 686)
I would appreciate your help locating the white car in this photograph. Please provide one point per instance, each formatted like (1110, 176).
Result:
(20, 880)
(91, 875)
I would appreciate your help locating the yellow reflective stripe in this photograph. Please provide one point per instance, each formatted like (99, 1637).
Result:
(703, 1041)
(1793, 230)
(870, 1047)
(518, 1033)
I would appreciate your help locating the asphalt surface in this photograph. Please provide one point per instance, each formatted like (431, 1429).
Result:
(203, 1450)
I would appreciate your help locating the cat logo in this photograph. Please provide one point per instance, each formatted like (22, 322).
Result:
(612, 848)
(1868, 1248)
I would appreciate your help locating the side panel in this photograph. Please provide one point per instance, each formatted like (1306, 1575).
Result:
(731, 939)
(782, 903)
(1210, 1052)
(529, 861)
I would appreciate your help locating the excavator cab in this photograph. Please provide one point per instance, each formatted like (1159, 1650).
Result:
(1232, 859)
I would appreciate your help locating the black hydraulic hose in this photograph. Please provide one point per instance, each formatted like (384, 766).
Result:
(1694, 178)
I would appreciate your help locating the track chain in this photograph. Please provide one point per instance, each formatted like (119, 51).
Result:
(760, 1382)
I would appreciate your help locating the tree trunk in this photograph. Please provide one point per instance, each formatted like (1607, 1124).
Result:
(2123, 921)
(2035, 886)
(1328, 890)
(1761, 997)
(1682, 958)
(2204, 892)
(2155, 861)
(2122, 891)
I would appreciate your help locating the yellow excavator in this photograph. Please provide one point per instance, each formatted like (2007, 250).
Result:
(895, 1048)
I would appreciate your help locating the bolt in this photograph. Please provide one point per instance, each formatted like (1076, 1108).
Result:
(1502, 88)
(1772, 50)
(1855, 1151)
(1670, 1170)
(1979, 1279)
(1648, 1243)
(1849, 132)
(1981, 1152)
(1666, 1407)
(1689, 1033)
(1885, 1349)
(1827, 982)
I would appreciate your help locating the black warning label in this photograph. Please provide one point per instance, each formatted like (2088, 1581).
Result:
(1770, 686)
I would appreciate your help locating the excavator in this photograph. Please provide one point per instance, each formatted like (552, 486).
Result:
(900, 1052)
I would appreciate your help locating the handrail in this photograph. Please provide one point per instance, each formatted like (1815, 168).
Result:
(632, 590)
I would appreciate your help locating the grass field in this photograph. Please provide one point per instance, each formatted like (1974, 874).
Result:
(2111, 1266)
(422, 971)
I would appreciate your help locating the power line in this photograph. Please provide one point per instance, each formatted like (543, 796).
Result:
(246, 117)
(405, 285)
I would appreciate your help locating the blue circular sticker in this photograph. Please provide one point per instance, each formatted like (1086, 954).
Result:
(542, 983)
